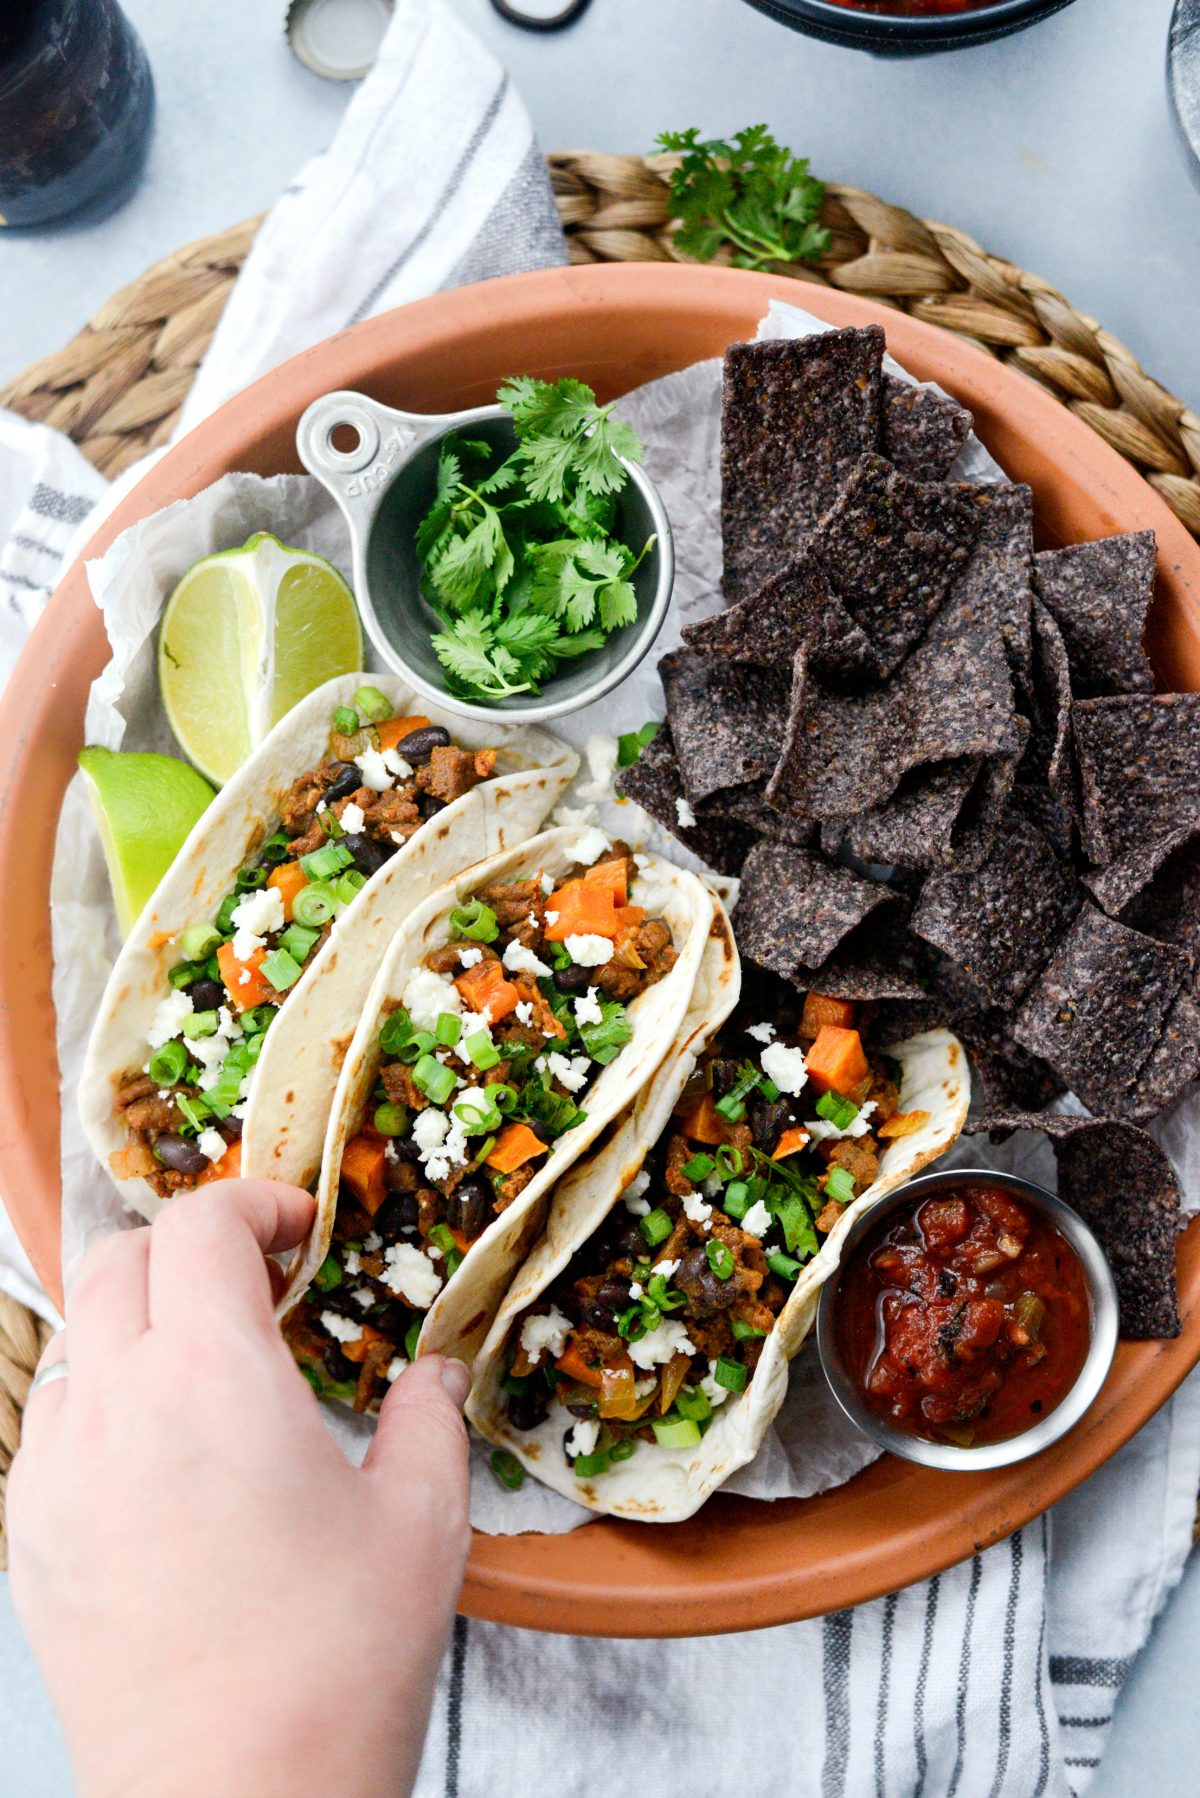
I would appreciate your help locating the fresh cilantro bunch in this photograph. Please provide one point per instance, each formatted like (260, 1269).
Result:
(521, 561)
(752, 193)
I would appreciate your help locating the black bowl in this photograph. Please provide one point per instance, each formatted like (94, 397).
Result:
(915, 35)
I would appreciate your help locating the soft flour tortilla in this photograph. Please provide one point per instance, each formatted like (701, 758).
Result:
(292, 1090)
(665, 1485)
(459, 1317)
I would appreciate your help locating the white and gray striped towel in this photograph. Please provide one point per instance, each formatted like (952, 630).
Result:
(996, 1678)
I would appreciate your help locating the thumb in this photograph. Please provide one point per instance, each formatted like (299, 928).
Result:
(419, 1451)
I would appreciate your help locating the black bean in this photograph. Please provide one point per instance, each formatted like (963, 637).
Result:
(575, 979)
(349, 779)
(708, 1293)
(337, 1366)
(230, 1128)
(369, 856)
(419, 745)
(582, 1407)
(398, 1212)
(401, 1174)
(207, 995)
(430, 807)
(527, 1409)
(606, 1304)
(625, 1238)
(180, 1155)
(469, 1208)
(768, 1122)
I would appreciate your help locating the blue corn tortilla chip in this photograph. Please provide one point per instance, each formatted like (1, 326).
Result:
(1123, 1186)
(942, 815)
(923, 430)
(1168, 905)
(746, 805)
(797, 608)
(1138, 756)
(994, 587)
(794, 908)
(795, 417)
(890, 548)
(654, 782)
(727, 720)
(1100, 594)
(1047, 767)
(1001, 923)
(844, 754)
(1097, 1010)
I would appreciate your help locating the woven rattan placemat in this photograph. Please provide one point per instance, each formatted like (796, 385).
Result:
(117, 387)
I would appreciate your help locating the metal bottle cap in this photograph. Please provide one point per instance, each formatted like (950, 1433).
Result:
(339, 39)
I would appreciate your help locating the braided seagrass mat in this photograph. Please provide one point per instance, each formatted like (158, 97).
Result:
(116, 388)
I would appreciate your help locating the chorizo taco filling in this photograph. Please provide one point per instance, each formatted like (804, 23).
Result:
(485, 1064)
(661, 1316)
(384, 777)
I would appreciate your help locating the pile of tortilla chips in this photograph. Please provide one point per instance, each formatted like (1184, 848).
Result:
(933, 756)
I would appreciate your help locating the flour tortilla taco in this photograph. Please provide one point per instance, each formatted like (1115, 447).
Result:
(224, 1022)
(515, 1017)
(642, 1350)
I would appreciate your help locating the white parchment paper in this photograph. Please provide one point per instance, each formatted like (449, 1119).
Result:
(811, 1447)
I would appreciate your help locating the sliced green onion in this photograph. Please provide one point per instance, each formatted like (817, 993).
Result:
(436, 1081)
(731, 1374)
(391, 1120)
(515, 1382)
(199, 941)
(331, 824)
(184, 972)
(449, 1029)
(783, 1266)
(730, 1161)
(560, 955)
(731, 1108)
(631, 1325)
(212, 969)
(370, 703)
(281, 969)
(768, 1089)
(719, 1259)
(421, 1044)
(275, 849)
(224, 918)
(442, 1237)
(590, 1467)
(482, 1050)
(477, 1119)
(168, 1063)
(454, 1260)
(410, 1338)
(744, 1332)
(631, 743)
(201, 1023)
(313, 906)
(656, 1226)
(195, 1111)
(328, 860)
(328, 1275)
(349, 886)
(397, 1031)
(698, 1168)
(691, 1402)
(839, 1185)
(662, 1295)
(298, 941)
(622, 1448)
(675, 1432)
(475, 920)
(837, 1111)
(736, 1200)
(246, 879)
(507, 1470)
(258, 1019)
(503, 1097)
(345, 722)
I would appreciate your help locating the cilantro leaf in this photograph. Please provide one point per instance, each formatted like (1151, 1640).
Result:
(750, 193)
(631, 744)
(551, 409)
(604, 1041)
(469, 653)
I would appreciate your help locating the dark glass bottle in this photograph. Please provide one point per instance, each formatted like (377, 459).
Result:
(76, 107)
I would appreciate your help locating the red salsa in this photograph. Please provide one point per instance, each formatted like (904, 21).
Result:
(910, 7)
(965, 1319)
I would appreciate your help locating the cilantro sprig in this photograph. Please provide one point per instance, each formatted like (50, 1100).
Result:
(521, 561)
(750, 192)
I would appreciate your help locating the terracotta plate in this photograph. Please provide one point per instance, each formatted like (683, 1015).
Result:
(738, 1564)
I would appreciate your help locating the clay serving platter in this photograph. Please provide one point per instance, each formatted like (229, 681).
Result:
(738, 1564)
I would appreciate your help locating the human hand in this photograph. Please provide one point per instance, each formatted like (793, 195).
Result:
(218, 1601)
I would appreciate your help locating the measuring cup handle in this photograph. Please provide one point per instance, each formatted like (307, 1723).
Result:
(379, 438)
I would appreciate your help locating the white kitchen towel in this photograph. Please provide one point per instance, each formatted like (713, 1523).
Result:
(999, 1676)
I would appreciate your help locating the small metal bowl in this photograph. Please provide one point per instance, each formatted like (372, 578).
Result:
(380, 465)
(1102, 1300)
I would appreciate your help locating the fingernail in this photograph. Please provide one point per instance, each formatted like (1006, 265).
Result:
(457, 1381)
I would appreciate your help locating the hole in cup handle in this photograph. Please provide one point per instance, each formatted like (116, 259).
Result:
(353, 445)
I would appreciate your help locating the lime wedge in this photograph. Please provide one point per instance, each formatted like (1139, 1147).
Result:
(245, 635)
(144, 806)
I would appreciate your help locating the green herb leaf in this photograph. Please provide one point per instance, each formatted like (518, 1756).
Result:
(750, 193)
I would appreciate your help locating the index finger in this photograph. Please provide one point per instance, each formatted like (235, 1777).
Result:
(208, 1249)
